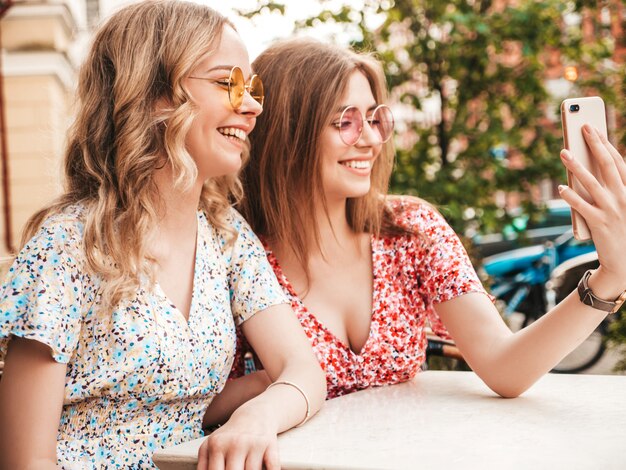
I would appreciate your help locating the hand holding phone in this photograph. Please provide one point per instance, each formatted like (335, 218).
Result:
(575, 112)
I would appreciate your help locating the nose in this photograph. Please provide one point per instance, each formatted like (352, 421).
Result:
(369, 136)
(250, 106)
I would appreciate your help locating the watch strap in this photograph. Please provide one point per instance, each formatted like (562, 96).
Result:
(587, 296)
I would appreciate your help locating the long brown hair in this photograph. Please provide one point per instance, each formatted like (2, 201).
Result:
(138, 59)
(304, 81)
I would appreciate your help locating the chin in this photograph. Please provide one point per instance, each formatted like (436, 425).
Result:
(235, 167)
(225, 168)
(360, 192)
(355, 195)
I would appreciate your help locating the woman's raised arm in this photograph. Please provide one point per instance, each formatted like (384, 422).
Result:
(510, 363)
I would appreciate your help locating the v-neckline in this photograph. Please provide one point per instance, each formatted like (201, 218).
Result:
(194, 286)
(290, 289)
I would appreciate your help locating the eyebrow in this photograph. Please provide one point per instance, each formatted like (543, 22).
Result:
(341, 109)
(221, 67)
(228, 68)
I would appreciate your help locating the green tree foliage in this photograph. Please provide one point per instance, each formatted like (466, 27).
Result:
(484, 68)
(617, 338)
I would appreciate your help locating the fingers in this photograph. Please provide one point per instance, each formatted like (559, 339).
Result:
(254, 460)
(212, 454)
(584, 176)
(617, 158)
(214, 460)
(577, 203)
(230, 452)
(236, 459)
(203, 456)
(605, 160)
(271, 457)
(263, 451)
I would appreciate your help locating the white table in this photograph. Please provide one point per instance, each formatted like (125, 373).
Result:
(443, 420)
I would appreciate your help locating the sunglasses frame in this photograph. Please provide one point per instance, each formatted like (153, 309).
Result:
(236, 81)
(363, 120)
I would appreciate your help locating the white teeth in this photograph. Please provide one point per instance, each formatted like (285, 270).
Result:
(233, 131)
(357, 164)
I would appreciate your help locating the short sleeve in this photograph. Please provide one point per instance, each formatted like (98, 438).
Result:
(253, 284)
(41, 295)
(445, 271)
(443, 268)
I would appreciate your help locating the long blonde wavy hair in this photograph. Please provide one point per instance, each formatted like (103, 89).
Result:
(304, 81)
(138, 59)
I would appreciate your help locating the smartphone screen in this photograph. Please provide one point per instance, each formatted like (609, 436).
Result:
(575, 112)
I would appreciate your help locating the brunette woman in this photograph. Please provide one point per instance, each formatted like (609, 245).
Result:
(366, 272)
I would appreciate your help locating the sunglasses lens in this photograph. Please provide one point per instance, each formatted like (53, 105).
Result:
(382, 122)
(256, 89)
(236, 88)
(350, 125)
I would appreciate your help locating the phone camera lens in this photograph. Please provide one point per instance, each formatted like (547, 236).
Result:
(574, 108)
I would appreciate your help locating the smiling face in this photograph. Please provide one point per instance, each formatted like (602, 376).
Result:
(217, 135)
(346, 169)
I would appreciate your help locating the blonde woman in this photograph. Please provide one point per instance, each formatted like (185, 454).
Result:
(366, 272)
(117, 318)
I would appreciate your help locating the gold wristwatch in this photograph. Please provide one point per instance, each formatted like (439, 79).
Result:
(588, 298)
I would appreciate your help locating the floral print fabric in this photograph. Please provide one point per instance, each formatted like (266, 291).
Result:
(141, 376)
(411, 274)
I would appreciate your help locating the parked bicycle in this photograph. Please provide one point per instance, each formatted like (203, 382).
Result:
(525, 280)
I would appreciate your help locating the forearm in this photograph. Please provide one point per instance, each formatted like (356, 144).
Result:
(283, 405)
(235, 393)
(517, 361)
(311, 380)
(291, 360)
(509, 363)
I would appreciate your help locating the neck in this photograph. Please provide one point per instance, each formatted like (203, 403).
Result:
(333, 224)
(338, 240)
(177, 208)
(339, 243)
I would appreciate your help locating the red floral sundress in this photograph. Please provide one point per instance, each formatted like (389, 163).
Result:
(411, 274)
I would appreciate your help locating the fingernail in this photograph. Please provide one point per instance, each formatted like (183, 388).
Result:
(565, 155)
(561, 188)
(587, 128)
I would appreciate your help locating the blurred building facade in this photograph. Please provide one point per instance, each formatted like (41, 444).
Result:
(39, 41)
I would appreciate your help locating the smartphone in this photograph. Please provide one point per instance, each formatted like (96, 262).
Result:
(575, 112)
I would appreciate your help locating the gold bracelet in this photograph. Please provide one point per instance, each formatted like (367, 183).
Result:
(306, 399)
